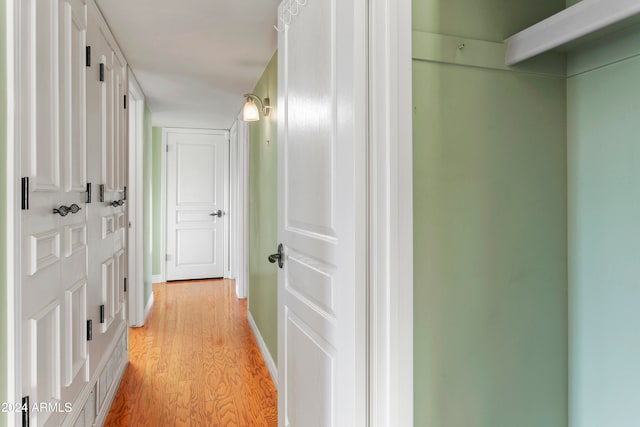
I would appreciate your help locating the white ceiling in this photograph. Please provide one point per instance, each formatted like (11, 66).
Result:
(194, 58)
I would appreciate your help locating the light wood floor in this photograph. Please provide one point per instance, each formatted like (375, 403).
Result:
(195, 363)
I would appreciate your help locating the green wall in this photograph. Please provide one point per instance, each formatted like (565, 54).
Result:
(156, 198)
(490, 223)
(3, 218)
(263, 210)
(603, 94)
(148, 209)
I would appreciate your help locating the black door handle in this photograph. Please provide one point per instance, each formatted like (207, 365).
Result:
(278, 256)
(65, 210)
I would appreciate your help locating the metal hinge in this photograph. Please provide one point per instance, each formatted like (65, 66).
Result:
(167, 148)
(88, 192)
(101, 72)
(102, 313)
(89, 330)
(25, 411)
(101, 192)
(125, 284)
(88, 56)
(125, 102)
(124, 193)
(167, 257)
(25, 193)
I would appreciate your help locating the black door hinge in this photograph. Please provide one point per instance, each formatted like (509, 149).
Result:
(89, 330)
(101, 72)
(25, 193)
(88, 56)
(125, 284)
(101, 192)
(25, 411)
(88, 192)
(125, 102)
(102, 313)
(124, 193)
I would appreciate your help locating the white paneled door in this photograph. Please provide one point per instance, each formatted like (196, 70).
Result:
(197, 163)
(322, 213)
(54, 217)
(70, 127)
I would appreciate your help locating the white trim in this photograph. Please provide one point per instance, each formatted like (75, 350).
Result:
(232, 213)
(135, 291)
(226, 218)
(163, 207)
(580, 20)
(148, 307)
(163, 194)
(391, 215)
(156, 278)
(268, 360)
(13, 252)
(239, 200)
(242, 265)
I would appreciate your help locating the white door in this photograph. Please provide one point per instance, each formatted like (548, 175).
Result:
(107, 211)
(197, 162)
(54, 216)
(322, 213)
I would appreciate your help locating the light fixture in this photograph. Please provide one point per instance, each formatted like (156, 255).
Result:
(250, 111)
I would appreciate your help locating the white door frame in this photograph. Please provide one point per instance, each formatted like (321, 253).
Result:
(12, 170)
(135, 190)
(391, 214)
(239, 206)
(233, 202)
(163, 195)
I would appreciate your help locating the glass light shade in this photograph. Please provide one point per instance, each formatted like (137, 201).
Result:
(250, 111)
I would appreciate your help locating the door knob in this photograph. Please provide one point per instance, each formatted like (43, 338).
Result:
(278, 256)
(218, 214)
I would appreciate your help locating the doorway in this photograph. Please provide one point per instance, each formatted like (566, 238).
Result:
(197, 178)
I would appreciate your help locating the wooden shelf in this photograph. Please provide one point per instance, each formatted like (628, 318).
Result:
(579, 21)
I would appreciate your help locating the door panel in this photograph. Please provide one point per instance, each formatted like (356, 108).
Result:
(45, 155)
(195, 191)
(54, 267)
(322, 214)
(74, 99)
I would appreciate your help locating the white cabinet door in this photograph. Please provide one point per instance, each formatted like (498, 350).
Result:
(196, 169)
(107, 215)
(54, 244)
(322, 213)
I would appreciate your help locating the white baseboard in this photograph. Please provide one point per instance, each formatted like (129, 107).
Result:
(147, 308)
(156, 278)
(273, 370)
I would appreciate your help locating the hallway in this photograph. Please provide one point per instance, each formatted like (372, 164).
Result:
(195, 362)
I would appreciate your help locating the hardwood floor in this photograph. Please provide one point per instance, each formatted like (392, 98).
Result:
(195, 363)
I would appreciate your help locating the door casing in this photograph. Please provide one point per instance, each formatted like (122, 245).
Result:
(135, 197)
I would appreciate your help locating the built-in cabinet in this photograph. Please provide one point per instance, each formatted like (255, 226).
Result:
(71, 127)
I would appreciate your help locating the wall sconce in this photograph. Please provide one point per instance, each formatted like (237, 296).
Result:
(250, 111)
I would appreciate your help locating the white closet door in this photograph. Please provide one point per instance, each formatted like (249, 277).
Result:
(54, 256)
